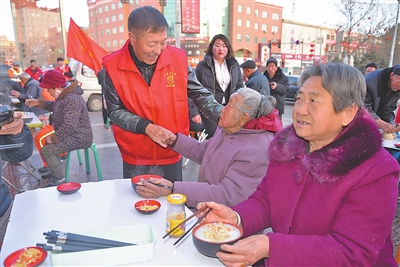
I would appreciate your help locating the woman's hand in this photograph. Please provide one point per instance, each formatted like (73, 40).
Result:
(245, 252)
(32, 102)
(148, 190)
(48, 140)
(219, 213)
(14, 127)
(196, 119)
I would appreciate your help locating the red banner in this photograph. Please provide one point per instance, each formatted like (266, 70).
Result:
(190, 16)
(84, 49)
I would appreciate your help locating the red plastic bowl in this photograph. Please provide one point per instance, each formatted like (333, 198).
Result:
(68, 188)
(13, 257)
(137, 179)
(147, 202)
(397, 145)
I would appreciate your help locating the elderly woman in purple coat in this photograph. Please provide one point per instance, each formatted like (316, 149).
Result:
(234, 160)
(330, 192)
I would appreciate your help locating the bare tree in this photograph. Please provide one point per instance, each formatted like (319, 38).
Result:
(363, 24)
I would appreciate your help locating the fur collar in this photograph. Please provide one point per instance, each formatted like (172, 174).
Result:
(356, 143)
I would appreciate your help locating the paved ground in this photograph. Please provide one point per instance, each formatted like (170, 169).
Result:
(111, 167)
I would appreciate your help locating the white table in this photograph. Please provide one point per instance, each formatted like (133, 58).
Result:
(96, 205)
(389, 144)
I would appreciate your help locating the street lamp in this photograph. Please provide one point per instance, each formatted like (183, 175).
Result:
(394, 36)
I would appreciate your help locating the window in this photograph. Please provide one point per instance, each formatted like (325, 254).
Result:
(112, 6)
(256, 26)
(119, 5)
(264, 27)
(247, 38)
(239, 37)
(113, 18)
(106, 9)
(275, 16)
(239, 22)
(247, 23)
(102, 44)
(121, 42)
(256, 40)
(100, 10)
(115, 43)
(121, 28)
(101, 21)
(107, 20)
(114, 30)
(274, 29)
(107, 31)
(120, 17)
(101, 33)
(264, 14)
(256, 13)
(248, 10)
(240, 8)
(263, 40)
(108, 43)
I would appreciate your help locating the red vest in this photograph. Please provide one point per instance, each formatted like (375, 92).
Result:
(62, 70)
(165, 102)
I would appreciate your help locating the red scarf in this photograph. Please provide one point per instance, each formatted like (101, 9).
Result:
(270, 122)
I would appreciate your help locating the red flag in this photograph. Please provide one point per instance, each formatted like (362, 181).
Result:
(84, 49)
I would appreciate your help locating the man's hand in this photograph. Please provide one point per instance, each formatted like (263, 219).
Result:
(272, 85)
(158, 134)
(196, 119)
(386, 127)
(15, 93)
(14, 127)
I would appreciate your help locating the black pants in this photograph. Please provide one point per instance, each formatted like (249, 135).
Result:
(209, 125)
(172, 172)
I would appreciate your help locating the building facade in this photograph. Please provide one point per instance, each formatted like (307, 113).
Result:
(32, 24)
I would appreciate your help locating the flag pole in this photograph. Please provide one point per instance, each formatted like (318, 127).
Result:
(64, 37)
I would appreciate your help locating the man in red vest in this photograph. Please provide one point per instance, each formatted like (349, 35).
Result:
(64, 69)
(147, 84)
(34, 71)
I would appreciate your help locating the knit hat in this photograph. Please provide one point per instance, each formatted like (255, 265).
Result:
(248, 64)
(396, 69)
(53, 79)
(272, 60)
(15, 63)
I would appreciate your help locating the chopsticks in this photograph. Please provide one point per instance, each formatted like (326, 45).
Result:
(184, 221)
(69, 242)
(160, 185)
(190, 229)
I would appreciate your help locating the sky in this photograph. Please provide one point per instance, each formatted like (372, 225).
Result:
(314, 12)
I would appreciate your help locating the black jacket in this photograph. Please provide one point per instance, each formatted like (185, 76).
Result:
(380, 101)
(282, 87)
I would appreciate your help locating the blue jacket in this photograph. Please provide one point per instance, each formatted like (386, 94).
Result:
(13, 155)
(258, 82)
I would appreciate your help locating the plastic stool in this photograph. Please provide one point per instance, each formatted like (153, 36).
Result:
(87, 161)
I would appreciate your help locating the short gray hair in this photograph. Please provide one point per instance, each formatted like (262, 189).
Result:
(255, 104)
(24, 75)
(148, 19)
(344, 83)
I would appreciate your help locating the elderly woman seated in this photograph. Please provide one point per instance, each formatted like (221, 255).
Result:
(233, 161)
(330, 192)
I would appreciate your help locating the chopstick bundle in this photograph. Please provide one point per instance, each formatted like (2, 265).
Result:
(69, 242)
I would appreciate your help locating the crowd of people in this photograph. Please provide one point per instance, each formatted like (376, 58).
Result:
(328, 195)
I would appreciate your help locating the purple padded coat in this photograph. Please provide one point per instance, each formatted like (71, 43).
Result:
(332, 207)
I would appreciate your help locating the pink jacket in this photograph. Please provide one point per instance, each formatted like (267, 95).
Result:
(331, 207)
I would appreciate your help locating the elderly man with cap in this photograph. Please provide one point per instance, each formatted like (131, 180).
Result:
(255, 79)
(31, 90)
(71, 121)
(278, 83)
(64, 69)
(15, 71)
(383, 91)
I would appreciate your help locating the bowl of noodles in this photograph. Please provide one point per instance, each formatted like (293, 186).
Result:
(147, 206)
(208, 237)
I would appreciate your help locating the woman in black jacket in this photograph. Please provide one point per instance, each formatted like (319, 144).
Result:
(220, 73)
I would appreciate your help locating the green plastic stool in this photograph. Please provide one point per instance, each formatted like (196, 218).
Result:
(87, 161)
(108, 123)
